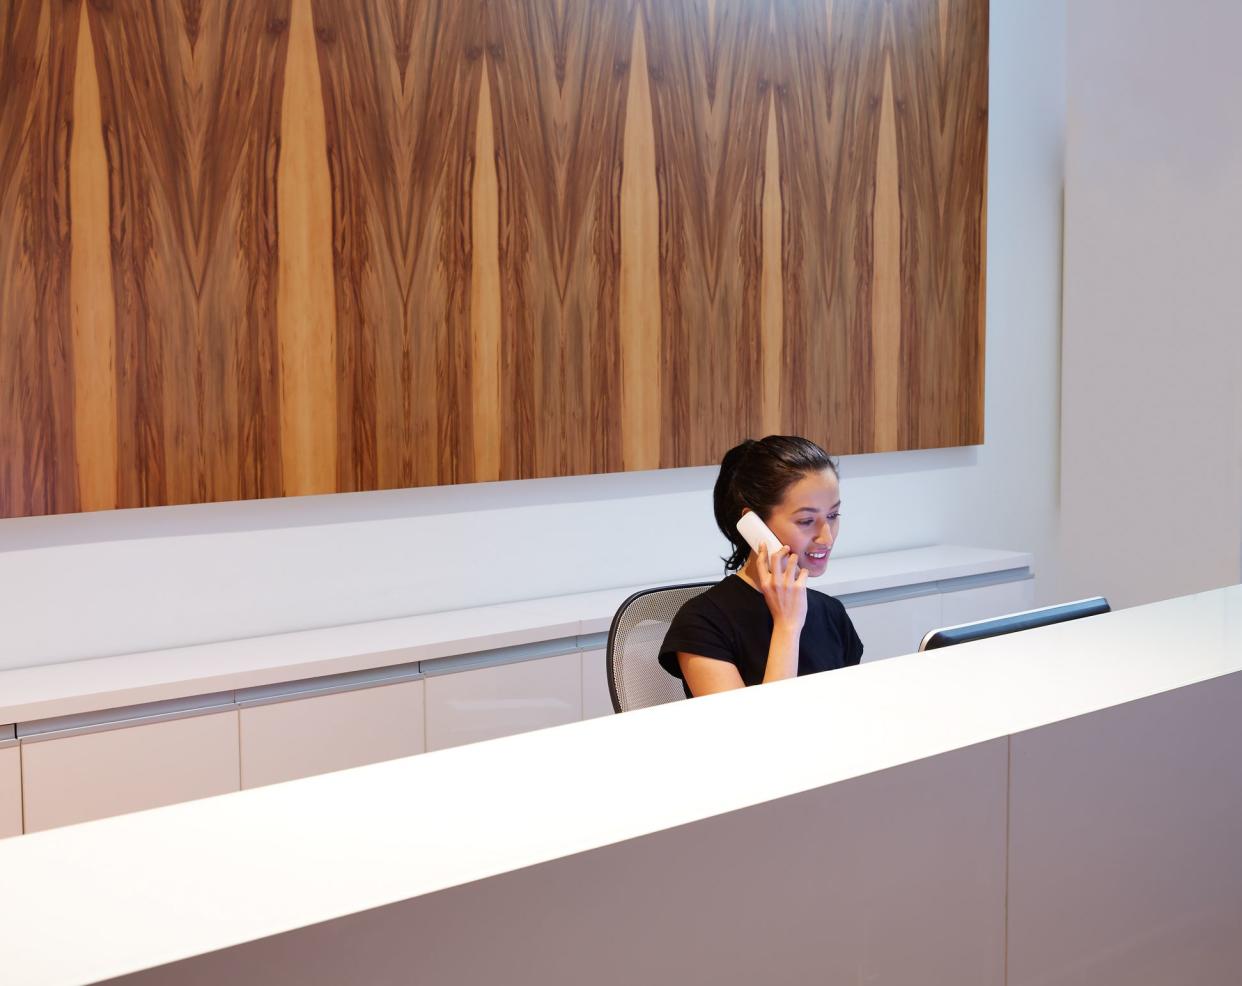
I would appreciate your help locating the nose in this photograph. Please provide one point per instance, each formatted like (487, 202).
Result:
(825, 534)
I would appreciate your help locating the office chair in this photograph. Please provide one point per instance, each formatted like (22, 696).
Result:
(635, 678)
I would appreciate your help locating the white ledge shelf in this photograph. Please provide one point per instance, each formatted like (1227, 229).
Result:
(75, 687)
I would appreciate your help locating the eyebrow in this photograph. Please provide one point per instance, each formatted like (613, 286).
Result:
(813, 510)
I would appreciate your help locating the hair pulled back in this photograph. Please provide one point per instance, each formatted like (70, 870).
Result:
(757, 474)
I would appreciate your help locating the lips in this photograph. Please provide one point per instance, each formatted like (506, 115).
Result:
(812, 556)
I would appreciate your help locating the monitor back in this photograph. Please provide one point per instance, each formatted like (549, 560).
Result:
(1014, 622)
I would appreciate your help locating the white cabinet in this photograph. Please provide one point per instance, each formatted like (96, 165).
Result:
(895, 626)
(986, 601)
(299, 737)
(75, 778)
(10, 791)
(484, 703)
(596, 700)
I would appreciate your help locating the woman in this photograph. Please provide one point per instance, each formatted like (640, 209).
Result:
(762, 623)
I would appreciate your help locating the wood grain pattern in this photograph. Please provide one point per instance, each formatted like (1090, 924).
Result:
(829, 78)
(400, 81)
(640, 271)
(557, 73)
(940, 100)
(709, 97)
(886, 280)
(38, 56)
(772, 281)
(190, 97)
(305, 300)
(90, 290)
(489, 434)
(305, 246)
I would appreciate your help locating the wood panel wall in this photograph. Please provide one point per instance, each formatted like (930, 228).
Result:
(303, 246)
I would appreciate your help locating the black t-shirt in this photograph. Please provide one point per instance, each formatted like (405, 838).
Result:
(731, 622)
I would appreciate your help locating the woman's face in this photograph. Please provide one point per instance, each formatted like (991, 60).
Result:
(808, 519)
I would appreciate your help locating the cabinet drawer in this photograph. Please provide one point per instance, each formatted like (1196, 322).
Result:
(987, 601)
(93, 775)
(321, 733)
(895, 627)
(10, 791)
(467, 706)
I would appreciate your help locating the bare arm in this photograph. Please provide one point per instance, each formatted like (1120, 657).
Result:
(784, 588)
(705, 675)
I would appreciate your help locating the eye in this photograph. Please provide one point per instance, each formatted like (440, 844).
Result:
(835, 516)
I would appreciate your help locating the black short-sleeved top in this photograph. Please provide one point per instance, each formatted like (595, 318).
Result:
(731, 622)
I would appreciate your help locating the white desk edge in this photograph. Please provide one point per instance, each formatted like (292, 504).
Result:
(273, 859)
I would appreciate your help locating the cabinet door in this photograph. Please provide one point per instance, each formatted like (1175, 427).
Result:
(987, 601)
(888, 629)
(467, 706)
(10, 791)
(595, 698)
(320, 733)
(93, 775)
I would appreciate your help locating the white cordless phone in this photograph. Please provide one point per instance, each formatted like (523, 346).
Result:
(756, 532)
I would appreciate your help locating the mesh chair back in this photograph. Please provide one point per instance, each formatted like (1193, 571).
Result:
(635, 678)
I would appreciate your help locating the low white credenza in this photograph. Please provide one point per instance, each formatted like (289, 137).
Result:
(90, 739)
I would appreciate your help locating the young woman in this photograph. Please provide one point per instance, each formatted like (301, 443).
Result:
(762, 623)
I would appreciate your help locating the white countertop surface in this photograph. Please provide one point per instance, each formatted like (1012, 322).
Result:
(273, 859)
(131, 679)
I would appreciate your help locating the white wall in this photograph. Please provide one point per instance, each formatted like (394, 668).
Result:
(89, 585)
(1152, 458)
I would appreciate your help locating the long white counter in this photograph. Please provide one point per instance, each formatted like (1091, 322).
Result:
(333, 854)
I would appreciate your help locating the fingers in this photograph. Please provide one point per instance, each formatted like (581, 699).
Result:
(771, 562)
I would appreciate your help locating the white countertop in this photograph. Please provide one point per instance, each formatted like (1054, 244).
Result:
(153, 676)
(273, 859)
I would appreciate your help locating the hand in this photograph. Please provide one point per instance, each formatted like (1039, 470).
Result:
(783, 585)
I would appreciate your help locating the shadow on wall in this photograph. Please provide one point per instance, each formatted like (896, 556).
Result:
(24, 533)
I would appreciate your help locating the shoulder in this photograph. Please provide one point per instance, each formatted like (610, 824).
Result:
(711, 602)
(702, 625)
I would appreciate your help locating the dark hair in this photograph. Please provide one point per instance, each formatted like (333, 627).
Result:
(756, 474)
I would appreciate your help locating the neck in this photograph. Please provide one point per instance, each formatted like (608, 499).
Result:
(749, 573)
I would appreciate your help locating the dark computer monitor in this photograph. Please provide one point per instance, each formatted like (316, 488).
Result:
(1014, 622)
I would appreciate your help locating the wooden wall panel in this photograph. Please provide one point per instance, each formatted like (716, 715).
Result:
(706, 62)
(828, 73)
(558, 78)
(305, 246)
(38, 55)
(400, 85)
(940, 92)
(190, 98)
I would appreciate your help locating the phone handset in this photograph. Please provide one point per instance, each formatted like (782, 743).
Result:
(756, 532)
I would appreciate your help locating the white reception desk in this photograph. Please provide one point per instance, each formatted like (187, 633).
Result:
(1060, 806)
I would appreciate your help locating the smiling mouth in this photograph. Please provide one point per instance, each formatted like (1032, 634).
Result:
(820, 556)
